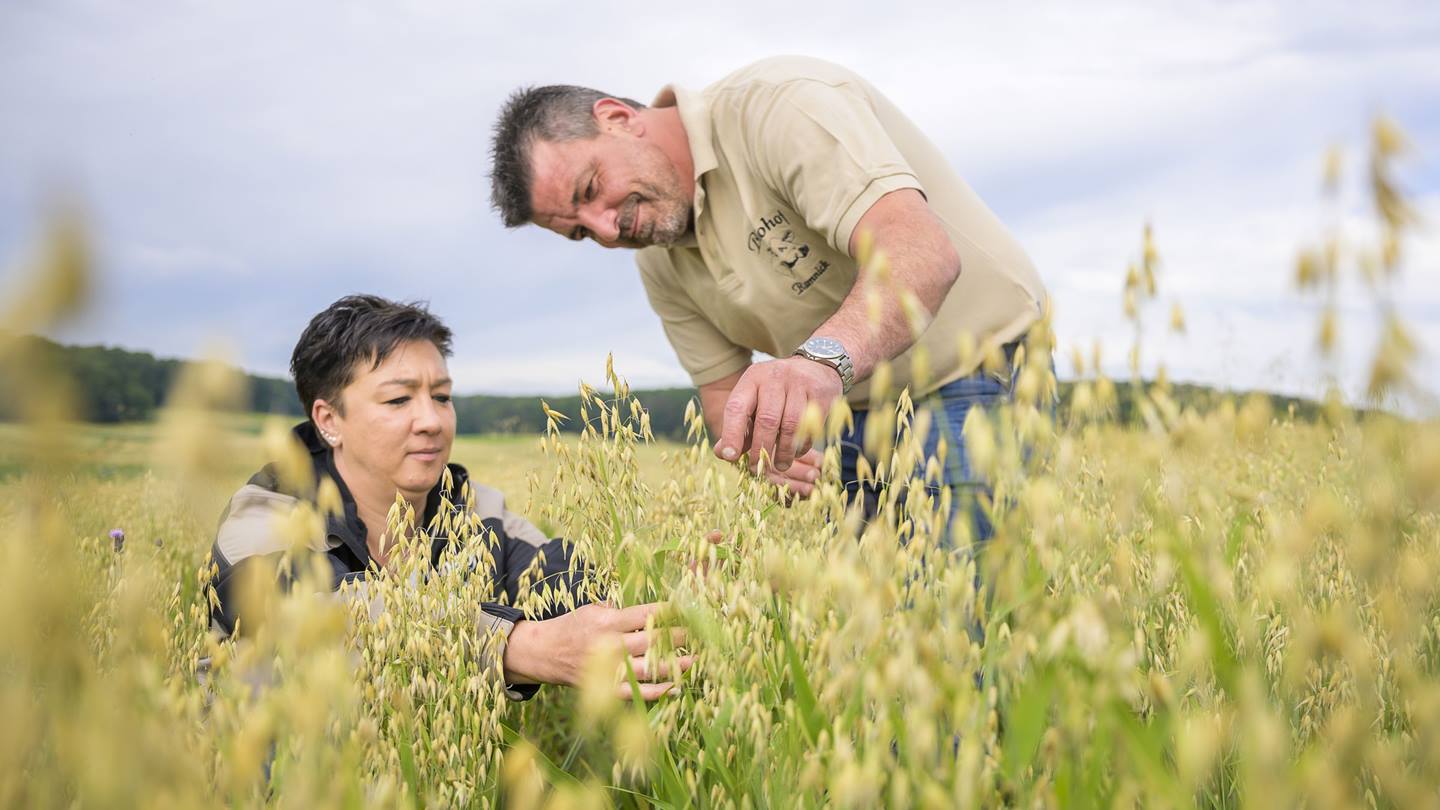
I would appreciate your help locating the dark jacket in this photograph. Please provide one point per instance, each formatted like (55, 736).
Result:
(246, 537)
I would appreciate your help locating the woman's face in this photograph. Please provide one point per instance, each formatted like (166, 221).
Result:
(398, 423)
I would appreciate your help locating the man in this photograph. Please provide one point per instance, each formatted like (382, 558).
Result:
(748, 202)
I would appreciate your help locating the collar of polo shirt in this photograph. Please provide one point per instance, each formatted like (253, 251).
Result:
(695, 115)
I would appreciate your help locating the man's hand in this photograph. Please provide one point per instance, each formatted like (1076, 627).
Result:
(799, 479)
(556, 650)
(765, 407)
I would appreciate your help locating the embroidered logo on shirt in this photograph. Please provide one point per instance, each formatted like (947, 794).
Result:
(776, 237)
(801, 286)
(785, 249)
(767, 224)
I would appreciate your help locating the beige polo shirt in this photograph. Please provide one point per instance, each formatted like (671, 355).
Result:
(789, 153)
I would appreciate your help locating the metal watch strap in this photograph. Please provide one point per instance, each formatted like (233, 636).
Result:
(842, 365)
(847, 373)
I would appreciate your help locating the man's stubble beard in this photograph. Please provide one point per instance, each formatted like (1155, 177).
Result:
(669, 218)
(670, 206)
(672, 224)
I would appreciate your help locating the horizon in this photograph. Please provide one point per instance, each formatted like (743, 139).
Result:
(602, 386)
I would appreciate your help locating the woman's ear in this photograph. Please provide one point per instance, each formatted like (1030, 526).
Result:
(327, 421)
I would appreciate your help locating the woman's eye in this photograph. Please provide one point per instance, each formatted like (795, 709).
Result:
(442, 398)
(398, 401)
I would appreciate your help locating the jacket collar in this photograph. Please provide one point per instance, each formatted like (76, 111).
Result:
(347, 527)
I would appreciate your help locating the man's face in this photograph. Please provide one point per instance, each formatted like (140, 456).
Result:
(617, 189)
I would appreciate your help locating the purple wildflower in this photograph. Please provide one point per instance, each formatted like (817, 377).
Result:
(118, 536)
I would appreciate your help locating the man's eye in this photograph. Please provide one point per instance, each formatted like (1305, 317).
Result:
(579, 235)
(442, 398)
(590, 190)
(398, 401)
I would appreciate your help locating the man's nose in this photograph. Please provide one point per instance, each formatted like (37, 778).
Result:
(602, 223)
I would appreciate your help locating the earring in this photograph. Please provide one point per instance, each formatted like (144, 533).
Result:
(331, 438)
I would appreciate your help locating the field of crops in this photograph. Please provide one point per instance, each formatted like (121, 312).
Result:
(1235, 610)
(1223, 608)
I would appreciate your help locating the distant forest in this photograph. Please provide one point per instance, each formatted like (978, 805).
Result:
(118, 385)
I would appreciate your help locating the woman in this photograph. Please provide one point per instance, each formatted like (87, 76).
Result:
(373, 378)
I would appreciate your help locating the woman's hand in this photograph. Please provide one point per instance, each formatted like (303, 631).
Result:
(556, 650)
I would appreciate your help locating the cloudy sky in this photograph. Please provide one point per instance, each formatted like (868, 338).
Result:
(244, 164)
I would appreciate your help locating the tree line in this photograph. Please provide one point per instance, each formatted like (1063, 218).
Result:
(119, 385)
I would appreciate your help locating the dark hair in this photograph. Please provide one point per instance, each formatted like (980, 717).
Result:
(357, 329)
(556, 112)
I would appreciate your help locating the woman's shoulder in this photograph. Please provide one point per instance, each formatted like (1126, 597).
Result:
(488, 504)
(485, 501)
(247, 526)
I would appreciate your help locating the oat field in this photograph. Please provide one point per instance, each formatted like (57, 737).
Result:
(1218, 608)
(1238, 611)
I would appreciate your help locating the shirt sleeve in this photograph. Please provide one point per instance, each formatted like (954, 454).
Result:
(527, 562)
(823, 148)
(532, 563)
(702, 349)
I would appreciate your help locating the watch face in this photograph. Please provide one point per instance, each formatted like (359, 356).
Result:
(824, 347)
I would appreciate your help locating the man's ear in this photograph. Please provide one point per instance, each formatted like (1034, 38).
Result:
(614, 115)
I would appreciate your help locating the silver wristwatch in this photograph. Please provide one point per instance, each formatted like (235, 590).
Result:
(832, 353)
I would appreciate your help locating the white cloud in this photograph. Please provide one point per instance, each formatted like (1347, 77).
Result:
(173, 261)
(271, 157)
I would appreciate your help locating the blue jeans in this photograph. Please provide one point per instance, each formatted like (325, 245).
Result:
(948, 405)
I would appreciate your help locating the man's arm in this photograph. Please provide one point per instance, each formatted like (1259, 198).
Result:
(922, 261)
(712, 400)
(773, 395)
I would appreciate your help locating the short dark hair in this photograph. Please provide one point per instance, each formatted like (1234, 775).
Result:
(556, 113)
(357, 329)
